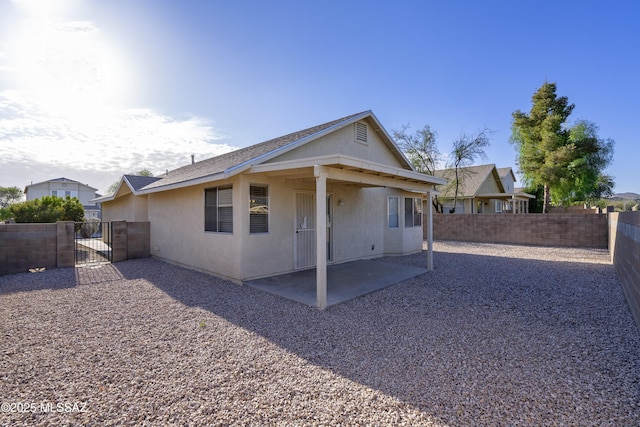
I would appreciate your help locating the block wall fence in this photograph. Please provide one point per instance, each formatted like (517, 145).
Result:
(25, 246)
(565, 230)
(624, 247)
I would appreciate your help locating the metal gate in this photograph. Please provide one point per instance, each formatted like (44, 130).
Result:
(93, 242)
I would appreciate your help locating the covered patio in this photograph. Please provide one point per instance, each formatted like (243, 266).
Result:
(350, 171)
(344, 281)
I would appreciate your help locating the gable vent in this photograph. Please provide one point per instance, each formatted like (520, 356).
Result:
(361, 132)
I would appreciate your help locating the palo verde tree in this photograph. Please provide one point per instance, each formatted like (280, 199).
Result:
(466, 149)
(423, 153)
(566, 161)
(421, 148)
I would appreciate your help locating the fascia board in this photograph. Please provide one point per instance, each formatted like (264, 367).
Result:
(188, 183)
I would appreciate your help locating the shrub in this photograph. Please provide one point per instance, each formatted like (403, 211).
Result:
(89, 227)
(48, 209)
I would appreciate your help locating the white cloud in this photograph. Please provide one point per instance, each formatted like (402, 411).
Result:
(105, 140)
(61, 114)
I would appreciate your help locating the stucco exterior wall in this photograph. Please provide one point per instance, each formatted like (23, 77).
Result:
(359, 228)
(126, 207)
(177, 232)
(489, 186)
(343, 142)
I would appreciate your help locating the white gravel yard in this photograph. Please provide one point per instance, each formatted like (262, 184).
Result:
(496, 335)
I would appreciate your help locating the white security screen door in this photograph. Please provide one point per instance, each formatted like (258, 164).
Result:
(305, 231)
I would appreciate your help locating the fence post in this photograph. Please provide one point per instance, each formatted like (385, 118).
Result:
(119, 243)
(65, 244)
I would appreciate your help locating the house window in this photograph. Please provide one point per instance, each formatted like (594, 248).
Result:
(218, 209)
(393, 212)
(258, 209)
(412, 212)
(64, 193)
(361, 132)
(498, 207)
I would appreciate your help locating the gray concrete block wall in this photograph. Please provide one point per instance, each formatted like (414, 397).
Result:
(119, 240)
(66, 245)
(138, 240)
(566, 230)
(25, 246)
(624, 247)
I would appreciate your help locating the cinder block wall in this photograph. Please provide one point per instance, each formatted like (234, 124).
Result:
(138, 240)
(624, 247)
(25, 246)
(566, 230)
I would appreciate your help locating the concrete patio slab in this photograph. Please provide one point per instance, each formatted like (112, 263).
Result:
(344, 281)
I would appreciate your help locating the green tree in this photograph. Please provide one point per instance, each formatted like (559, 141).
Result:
(566, 161)
(9, 196)
(48, 209)
(584, 180)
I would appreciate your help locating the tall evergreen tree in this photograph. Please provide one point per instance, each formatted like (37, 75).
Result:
(568, 161)
(542, 141)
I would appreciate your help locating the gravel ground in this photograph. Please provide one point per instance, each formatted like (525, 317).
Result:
(496, 335)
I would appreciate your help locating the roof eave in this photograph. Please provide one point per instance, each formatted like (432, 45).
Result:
(187, 183)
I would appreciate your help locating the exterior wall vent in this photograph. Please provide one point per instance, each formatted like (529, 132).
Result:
(361, 132)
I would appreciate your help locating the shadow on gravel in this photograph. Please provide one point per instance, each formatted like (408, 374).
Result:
(60, 278)
(481, 339)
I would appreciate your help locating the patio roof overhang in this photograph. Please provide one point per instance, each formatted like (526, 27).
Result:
(350, 171)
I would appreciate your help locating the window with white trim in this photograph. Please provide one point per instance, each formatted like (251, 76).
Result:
(412, 212)
(258, 209)
(393, 209)
(218, 209)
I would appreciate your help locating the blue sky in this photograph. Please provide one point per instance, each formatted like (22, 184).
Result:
(93, 89)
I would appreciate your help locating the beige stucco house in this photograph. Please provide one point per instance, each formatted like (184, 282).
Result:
(336, 192)
(65, 187)
(483, 189)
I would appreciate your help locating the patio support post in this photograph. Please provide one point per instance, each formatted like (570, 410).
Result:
(429, 232)
(321, 236)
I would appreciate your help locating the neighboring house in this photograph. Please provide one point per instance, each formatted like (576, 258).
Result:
(336, 192)
(483, 189)
(64, 187)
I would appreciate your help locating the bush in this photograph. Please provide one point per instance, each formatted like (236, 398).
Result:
(47, 209)
(89, 227)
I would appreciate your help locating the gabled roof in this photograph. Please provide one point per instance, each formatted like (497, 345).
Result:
(503, 172)
(229, 164)
(134, 182)
(472, 178)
